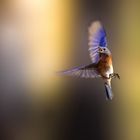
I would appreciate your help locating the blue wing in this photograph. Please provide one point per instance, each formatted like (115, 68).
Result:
(97, 38)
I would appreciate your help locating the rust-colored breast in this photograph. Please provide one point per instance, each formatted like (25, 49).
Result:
(104, 63)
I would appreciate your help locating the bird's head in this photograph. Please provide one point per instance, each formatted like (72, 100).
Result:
(104, 50)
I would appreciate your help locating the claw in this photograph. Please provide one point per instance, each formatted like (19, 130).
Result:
(118, 76)
(114, 75)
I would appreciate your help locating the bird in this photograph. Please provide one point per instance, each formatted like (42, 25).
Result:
(101, 65)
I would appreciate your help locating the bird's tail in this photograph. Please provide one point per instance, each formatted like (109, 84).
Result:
(109, 94)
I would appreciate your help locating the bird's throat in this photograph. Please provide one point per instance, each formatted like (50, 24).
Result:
(106, 58)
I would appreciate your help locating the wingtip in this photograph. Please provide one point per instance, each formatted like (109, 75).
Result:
(95, 24)
(93, 28)
(61, 73)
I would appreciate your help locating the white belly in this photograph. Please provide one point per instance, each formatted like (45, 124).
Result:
(110, 71)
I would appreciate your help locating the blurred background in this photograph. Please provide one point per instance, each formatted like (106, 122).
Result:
(39, 38)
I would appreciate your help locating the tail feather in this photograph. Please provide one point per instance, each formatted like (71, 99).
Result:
(109, 93)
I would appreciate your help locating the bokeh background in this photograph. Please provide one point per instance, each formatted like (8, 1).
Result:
(39, 38)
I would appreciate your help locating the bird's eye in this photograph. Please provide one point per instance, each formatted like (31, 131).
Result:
(104, 49)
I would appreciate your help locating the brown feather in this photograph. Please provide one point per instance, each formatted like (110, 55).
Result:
(104, 64)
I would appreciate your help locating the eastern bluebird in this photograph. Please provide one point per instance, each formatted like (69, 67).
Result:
(101, 58)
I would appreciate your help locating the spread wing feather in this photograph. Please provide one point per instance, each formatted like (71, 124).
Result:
(97, 38)
(84, 72)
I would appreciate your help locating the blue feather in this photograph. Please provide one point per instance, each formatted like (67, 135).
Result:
(97, 38)
(101, 37)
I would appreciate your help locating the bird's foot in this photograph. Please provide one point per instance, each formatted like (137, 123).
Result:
(114, 75)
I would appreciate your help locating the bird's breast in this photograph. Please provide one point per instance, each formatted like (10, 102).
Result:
(105, 65)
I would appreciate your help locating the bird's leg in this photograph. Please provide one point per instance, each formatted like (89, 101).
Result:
(114, 75)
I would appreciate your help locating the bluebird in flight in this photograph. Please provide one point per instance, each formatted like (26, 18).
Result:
(101, 58)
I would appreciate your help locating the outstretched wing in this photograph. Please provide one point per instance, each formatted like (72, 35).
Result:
(88, 71)
(97, 38)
